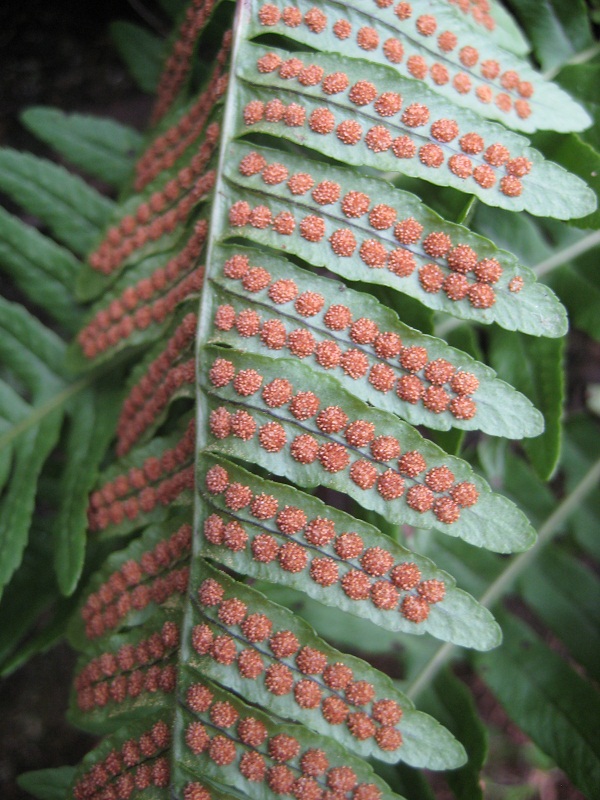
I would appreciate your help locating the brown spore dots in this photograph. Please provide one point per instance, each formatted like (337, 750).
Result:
(269, 14)
(378, 139)
(362, 93)
(384, 595)
(333, 457)
(355, 204)
(461, 166)
(279, 679)
(292, 17)
(404, 147)
(363, 474)
(436, 399)
(253, 163)
(373, 254)
(516, 284)
(304, 449)
(463, 408)
(257, 627)
(277, 392)
(309, 303)
(420, 498)
(256, 279)
(220, 423)
(385, 448)
(468, 56)
(338, 317)
(342, 29)
(268, 63)
(253, 767)
(413, 359)
(282, 747)
(334, 710)
(301, 343)
(511, 186)
(294, 116)
(349, 545)
(406, 576)
(410, 389)
(465, 494)
(417, 66)
(312, 228)
(439, 371)
(518, 167)
(284, 644)
(412, 464)
(446, 510)
(401, 262)
(415, 609)
(272, 437)
(356, 585)
(304, 405)
(360, 725)
(359, 693)
(216, 480)
(439, 74)
(243, 425)
(349, 132)
(432, 590)
(292, 557)
(222, 372)
(291, 520)
(280, 779)
(284, 223)
(481, 295)
(497, 155)
(254, 111)
(264, 548)
(415, 115)
(335, 82)
(247, 382)
(311, 661)
(273, 334)
(324, 571)
(247, 323)
(484, 175)
(311, 75)
(388, 738)
(321, 120)
(447, 41)
(326, 192)
(332, 419)
(237, 496)
(314, 762)
(377, 561)
(264, 506)
(431, 155)
(426, 24)
(382, 217)
(471, 143)
(274, 110)
(300, 183)
(431, 278)
(408, 231)
(488, 270)
(236, 267)
(388, 104)
(444, 130)
(393, 50)
(328, 354)
(232, 611)
(316, 20)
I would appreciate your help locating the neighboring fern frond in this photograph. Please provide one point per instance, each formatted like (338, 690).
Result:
(238, 283)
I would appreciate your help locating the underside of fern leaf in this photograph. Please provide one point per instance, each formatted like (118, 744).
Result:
(257, 281)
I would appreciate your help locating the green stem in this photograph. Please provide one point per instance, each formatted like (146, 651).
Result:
(41, 411)
(568, 254)
(506, 579)
(578, 58)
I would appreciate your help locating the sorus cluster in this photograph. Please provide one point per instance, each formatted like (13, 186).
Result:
(133, 669)
(137, 765)
(159, 481)
(313, 678)
(466, 155)
(173, 143)
(350, 445)
(166, 209)
(478, 9)
(330, 558)
(158, 574)
(467, 71)
(448, 267)
(150, 301)
(178, 63)
(433, 382)
(153, 392)
(277, 759)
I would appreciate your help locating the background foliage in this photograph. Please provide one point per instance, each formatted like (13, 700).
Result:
(57, 428)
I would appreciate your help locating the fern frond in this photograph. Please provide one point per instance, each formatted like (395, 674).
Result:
(241, 273)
